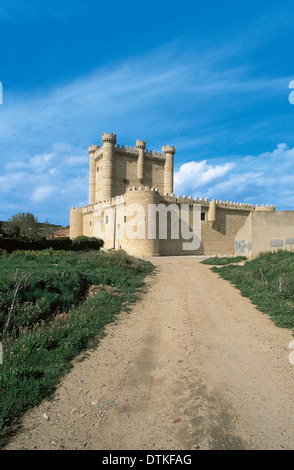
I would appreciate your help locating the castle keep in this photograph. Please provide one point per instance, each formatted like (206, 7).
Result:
(125, 182)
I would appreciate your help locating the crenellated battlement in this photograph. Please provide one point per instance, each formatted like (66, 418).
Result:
(170, 149)
(93, 148)
(179, 199)
(132, 151)
(147, 189)
(135, 151)
(265, 208)
(110, 138)
(140, 144)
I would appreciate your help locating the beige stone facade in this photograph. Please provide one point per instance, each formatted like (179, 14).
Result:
(114, 168)
(265, 231)
(125, 182)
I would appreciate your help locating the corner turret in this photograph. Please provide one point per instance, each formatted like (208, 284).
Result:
(109, 141)
(169, 152)
(141, 146)
(92, 176)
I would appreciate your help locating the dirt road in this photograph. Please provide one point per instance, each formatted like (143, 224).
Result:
(194, 366)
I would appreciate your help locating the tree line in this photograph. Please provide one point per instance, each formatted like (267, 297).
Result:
(23, 232)
(26, 225)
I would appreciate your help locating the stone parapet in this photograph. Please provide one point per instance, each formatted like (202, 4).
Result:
(141, 144)
(268, 207)
(168, 149)
(110, 138)
(179, 199)
(93, 148)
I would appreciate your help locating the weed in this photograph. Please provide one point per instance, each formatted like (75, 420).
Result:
(223, 261)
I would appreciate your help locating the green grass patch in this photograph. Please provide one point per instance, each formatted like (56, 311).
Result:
(268, 281)
(217, 261)
(46, 318)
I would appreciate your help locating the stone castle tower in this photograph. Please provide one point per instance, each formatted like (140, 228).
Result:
(113, 168)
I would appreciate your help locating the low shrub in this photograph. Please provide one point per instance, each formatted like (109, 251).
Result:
(87, 243)
(61, 243)
(218, 261)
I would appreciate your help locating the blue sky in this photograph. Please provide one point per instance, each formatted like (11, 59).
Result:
(211, 78)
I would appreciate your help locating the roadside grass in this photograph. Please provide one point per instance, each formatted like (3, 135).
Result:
(218, 261)
(46, 318)
(268, 281)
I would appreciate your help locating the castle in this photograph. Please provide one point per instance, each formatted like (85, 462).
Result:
(125, 183)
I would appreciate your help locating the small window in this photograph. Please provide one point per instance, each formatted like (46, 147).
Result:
(106, 219)
(202, 215)
(97, 169)
(126, 181)
(90, 223)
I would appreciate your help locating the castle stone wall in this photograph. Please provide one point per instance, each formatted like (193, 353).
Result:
(76, 222)
(265, 231)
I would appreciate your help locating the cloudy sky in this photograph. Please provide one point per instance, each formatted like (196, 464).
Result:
(211, 78)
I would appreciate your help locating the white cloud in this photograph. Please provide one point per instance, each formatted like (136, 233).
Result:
(40, 162)
(267, 178)
(45, 184)
(42, 193)
(192, 176)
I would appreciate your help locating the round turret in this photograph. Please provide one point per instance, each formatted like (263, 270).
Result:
(211, 216)
(168, 149)
(109, 141)
(141, 200)
(110, 138)
(76, 222)
(141, 144)
(93, 148)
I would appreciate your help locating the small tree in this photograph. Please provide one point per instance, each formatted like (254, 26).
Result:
(23, 225)
(47, 229)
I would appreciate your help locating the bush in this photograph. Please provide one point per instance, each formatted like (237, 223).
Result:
(87, 243)
(61, 243)
(216, 261)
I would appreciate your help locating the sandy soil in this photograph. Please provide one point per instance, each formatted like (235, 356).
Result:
(193, 366)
